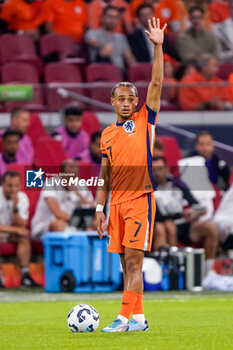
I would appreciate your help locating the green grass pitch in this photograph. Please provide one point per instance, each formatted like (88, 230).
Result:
(176, 323)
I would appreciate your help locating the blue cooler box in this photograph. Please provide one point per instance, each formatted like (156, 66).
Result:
(78, 262)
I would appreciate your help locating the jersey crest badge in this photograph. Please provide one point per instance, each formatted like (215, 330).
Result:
(129, 126)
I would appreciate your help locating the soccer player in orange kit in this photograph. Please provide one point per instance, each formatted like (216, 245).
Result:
(127, 147)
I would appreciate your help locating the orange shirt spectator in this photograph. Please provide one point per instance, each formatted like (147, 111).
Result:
(95, 10)
(183, 11)
(202, 97)
(230, 80)
(21, 15)
(219, 11)
(66, 17)
(166, 10)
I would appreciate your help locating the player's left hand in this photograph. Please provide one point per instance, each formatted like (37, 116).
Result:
(155, 34)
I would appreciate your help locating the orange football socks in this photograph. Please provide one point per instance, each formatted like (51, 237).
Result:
(128, 303)
(138, 307)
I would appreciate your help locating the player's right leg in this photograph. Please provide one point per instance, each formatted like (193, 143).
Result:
(114, 242)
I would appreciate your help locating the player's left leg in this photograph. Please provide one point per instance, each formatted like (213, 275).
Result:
(132, 301)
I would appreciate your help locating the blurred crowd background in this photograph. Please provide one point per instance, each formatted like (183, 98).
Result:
(72, 52)
(39, 36)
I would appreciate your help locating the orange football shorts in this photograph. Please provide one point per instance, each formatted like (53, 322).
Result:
(131, 224)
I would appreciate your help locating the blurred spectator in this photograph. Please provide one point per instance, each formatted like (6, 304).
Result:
(223, 31)
(195, 41)
(57, 203)
(67, 17)
(14, 208)
(219, 171)
(158, 148)
(177, 213)
(95, 10)
(74, 139)
(183, 11)
(141, 45)
(104, 45)
(166, 10)
(219, 10)
(184, 69)
(23, 16)
(20, 120)
(203, 97)
(223, 219)
(95, 155)
(10, 146)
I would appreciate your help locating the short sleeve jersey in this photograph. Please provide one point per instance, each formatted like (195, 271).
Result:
(129, 148)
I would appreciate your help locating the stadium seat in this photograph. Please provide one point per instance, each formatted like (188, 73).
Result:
(172, 153)
(224, 70)
(86, 171)
(36, 129)
(60, 74)
(23, 73)
(7, 249)
(140, 73)
(19, 48)
(167, 103)
(172, 36)
(90, 123)
(101, 73)
(61, 44)
(49, 153)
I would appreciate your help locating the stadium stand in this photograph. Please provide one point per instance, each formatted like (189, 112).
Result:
(138, 73)
(224, 70)
(24, 61)
(59, 44)
(36, 129)
(172, 153)
(49, 153)
(60, 75)
(90, 123)
(23, 73)
(100, 73)
(19, 48)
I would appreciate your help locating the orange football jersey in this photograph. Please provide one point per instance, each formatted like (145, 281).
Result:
(129, 148)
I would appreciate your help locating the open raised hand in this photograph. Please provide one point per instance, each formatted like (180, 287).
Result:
(155, 34)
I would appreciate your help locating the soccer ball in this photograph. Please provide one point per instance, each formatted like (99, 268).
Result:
(83, 318)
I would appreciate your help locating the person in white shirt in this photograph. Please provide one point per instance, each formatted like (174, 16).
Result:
(14, 207)
(56, 204)
(223, 218)
(223, 31)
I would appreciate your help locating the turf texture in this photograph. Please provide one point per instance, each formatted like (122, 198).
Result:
(175, 324)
